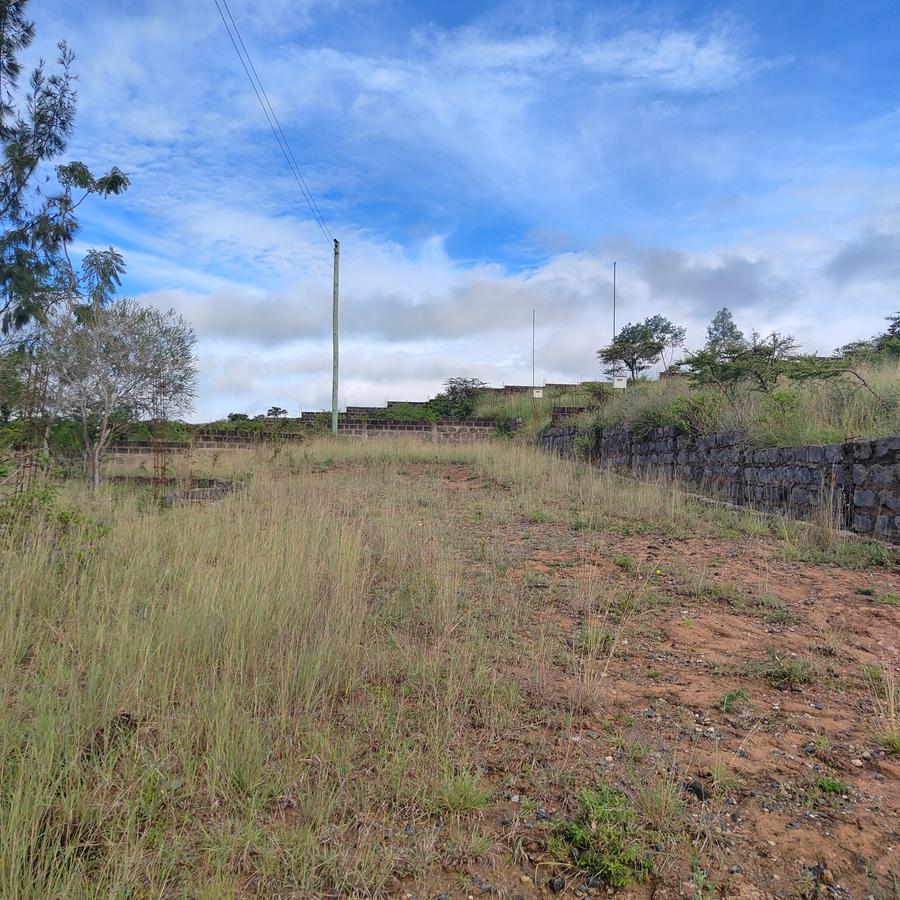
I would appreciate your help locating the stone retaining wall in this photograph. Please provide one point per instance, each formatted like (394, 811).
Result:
(859, 481)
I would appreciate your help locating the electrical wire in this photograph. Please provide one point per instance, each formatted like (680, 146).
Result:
(246, 61)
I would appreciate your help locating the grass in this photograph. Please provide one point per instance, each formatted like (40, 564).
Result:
(887, 706)
(786, 672)
(815, 412)
(254, 696)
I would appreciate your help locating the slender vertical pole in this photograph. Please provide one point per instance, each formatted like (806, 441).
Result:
(614, 300)
(334, 338)
(532, 364)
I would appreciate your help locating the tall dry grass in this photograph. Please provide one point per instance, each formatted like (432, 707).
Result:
(260, 696)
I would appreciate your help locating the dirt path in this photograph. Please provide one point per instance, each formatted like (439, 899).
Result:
(724, 667)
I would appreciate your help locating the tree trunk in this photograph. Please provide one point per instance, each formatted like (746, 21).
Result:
(95, 467)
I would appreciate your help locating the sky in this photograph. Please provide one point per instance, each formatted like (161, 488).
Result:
(478, 161)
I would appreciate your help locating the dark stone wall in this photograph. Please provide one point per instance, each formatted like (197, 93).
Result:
(858, 482)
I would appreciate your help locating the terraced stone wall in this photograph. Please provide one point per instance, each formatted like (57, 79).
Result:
(857, 481)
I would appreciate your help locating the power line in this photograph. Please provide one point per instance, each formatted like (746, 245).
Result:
(271, 118)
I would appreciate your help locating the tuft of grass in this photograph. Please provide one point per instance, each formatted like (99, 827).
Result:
(458, 793)
(827, 784)
(787, 672)
(625, 563)
(889, 599)
(593, 640)
(887, 705)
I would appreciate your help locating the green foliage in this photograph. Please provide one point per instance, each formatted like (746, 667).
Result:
(38, 219)
(458, 398)
(606, 840)
(638, 346)
(727, 703)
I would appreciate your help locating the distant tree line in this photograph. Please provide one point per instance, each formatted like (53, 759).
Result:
(728, 359)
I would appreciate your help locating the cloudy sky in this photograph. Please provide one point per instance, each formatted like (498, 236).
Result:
(479, 160)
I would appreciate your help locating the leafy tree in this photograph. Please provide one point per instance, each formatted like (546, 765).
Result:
(238, 417)
(885, 344)
(276, 412)
(458, 398)
(638, 346)
(38, 224)
(109, 368)
(728, 359)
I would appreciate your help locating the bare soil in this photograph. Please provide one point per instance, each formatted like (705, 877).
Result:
(707, 615)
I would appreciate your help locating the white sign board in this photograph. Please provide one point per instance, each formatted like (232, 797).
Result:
(538, 393)
(620, 382)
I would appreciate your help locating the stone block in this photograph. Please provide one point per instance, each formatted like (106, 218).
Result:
(864, 499)
(886, 446)
(862, 449)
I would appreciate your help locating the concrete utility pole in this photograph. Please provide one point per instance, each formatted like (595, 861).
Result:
(334, 338)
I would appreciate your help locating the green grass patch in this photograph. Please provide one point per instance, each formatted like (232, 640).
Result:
(606, 840)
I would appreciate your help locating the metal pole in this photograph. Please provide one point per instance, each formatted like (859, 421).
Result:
(532, 365)
(614, 300)
(334, 338)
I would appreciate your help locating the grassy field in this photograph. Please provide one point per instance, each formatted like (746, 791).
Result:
(814, 412)
(406, 671)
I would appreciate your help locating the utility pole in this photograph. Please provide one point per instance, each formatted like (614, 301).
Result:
(334, 338)
(533, 312)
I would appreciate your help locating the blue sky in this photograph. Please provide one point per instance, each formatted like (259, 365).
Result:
(480, 160)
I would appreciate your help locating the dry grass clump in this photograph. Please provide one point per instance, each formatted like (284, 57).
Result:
(252, 689)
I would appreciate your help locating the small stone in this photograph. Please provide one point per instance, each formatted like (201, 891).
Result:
(698, 790)
(556, 883)
(856, 762)
(514, 798)
(524, 879)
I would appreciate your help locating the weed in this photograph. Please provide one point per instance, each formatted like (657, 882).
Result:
(731, 698)
(866, 591)
(829, 785)
(889, 599)
(703, 887)
(625, 563)
(606, 840)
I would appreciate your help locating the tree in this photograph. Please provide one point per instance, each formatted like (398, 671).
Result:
(457, 400)
(722, 333)
(113, 365)
(38, 224)
(885, 344)
(276, 412)
(728, 359)
(638, 346)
